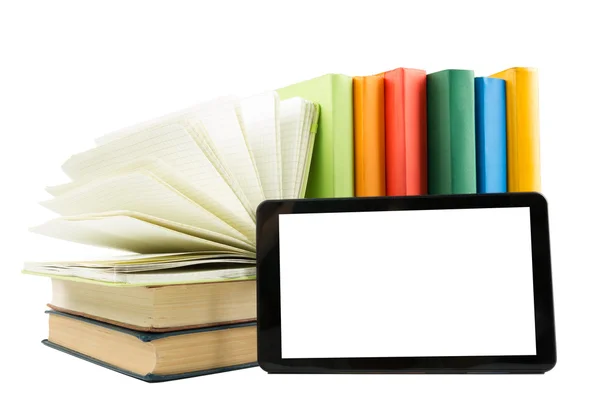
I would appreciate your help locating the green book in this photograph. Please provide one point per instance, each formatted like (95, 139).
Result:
(332, 166)
(451, 132)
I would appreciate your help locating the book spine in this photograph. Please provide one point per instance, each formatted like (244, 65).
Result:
(451, 132)
(405, 132)
(523, 130)
(343, 135)
(369, 136)
(490, 132)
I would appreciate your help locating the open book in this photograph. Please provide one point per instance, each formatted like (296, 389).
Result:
(181, 191)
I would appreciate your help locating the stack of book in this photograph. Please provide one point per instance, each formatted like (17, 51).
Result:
(181, 193)
(156, 333)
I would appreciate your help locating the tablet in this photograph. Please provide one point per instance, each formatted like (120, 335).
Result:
(424, 284)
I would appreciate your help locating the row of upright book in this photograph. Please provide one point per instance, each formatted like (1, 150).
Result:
(407, 132)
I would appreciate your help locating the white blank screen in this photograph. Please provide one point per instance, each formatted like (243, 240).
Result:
(407, 284)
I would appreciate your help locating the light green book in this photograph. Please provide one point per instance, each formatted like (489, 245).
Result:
(332, 167)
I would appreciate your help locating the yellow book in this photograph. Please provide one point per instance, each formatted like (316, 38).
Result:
(523, 129)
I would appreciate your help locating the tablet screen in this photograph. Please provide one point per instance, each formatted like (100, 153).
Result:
(411, 283)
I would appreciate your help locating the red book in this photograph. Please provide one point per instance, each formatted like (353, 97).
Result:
(405, 132)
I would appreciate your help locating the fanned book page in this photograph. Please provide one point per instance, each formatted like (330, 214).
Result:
(260, 118)
(140, 192)
(307, 144)
(145, 262)
(175, 272)
(291, 124)
(148, 232)
(227, 141)
(130, 234)
(296, 128)
(167, 174)
(177, 147)
(180, 186)
(203, 108)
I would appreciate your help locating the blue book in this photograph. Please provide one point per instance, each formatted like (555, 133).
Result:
(490, 134)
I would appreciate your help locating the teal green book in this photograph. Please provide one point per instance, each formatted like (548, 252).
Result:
(451, 132)
(154, 357)
(332, 165)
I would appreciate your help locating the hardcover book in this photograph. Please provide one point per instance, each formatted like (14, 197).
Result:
(451, 132)
(522, 129)
(369, 136)
(154, 357)
(405, 132)
(161, 308)
(490, 131)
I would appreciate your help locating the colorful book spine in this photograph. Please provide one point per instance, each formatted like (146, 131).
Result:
(451, 132)
(490, 134)
(405, 132)
(332, 165)
(369, 136)
(523, 129)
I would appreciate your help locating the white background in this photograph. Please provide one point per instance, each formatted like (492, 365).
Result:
(71, 71)
(407, 284)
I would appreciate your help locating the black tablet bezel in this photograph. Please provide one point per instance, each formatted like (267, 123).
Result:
(268, 288)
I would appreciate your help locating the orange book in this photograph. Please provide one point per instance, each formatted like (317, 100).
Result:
(369, 136)
(405, 132)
